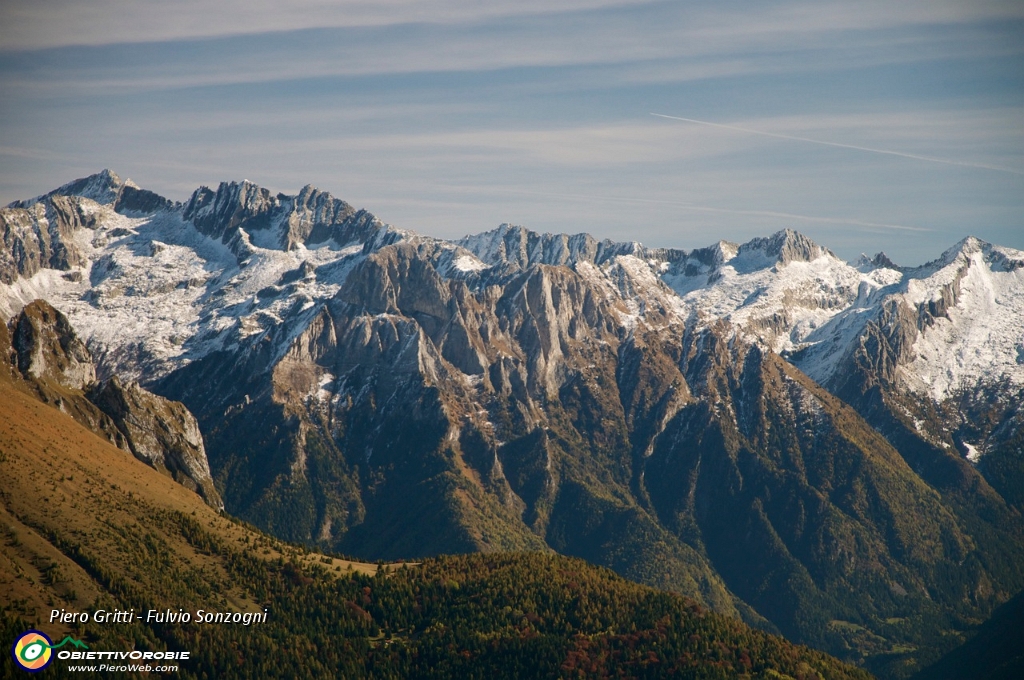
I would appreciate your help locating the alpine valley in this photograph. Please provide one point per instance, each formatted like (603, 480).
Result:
(832, 451)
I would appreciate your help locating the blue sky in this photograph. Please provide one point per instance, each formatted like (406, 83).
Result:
(451, 116)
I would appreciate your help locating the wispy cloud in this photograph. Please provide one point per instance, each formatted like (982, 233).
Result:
(31, 154)
(33, 25)
(30, 24)
(855, 147)
(161, 46)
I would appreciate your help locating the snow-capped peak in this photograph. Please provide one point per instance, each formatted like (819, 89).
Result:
(104, 187)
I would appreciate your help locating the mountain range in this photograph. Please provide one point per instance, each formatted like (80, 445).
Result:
(825, 449)
(87, 526)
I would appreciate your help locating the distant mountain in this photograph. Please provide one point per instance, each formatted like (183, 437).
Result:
(827, 449)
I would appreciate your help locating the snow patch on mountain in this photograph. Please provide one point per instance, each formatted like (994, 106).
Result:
(157, 294)
(977, 339)
(783, 306)
(468, 263)
(814, 311)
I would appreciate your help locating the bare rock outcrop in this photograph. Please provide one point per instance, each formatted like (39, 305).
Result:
(48, 350)
(41, 236)
(160, 432)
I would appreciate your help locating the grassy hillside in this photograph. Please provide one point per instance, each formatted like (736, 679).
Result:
(86, 526)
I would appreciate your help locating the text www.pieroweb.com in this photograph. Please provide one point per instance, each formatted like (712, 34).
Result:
(123, 668)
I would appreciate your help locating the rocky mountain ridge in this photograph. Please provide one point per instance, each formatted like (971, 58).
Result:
(747, 424)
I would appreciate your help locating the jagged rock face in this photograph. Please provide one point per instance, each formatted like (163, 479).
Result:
(8, 356)
(391, 395)
(48, 349)
(885, 345)
(515, 247)
(219, 213)
(882, 261)
(159, 432)
(240, 214)
(41, 236)
(133, 200)
(786, 246)
(42, 351)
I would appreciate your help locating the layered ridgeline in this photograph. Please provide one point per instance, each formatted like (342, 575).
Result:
(827, 449)
(85, 526)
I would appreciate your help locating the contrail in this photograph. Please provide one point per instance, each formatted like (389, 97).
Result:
(869, 149)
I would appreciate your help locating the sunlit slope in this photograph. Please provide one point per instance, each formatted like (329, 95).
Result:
(82, 519)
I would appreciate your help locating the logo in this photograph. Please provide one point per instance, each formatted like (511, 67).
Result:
(33, 650)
